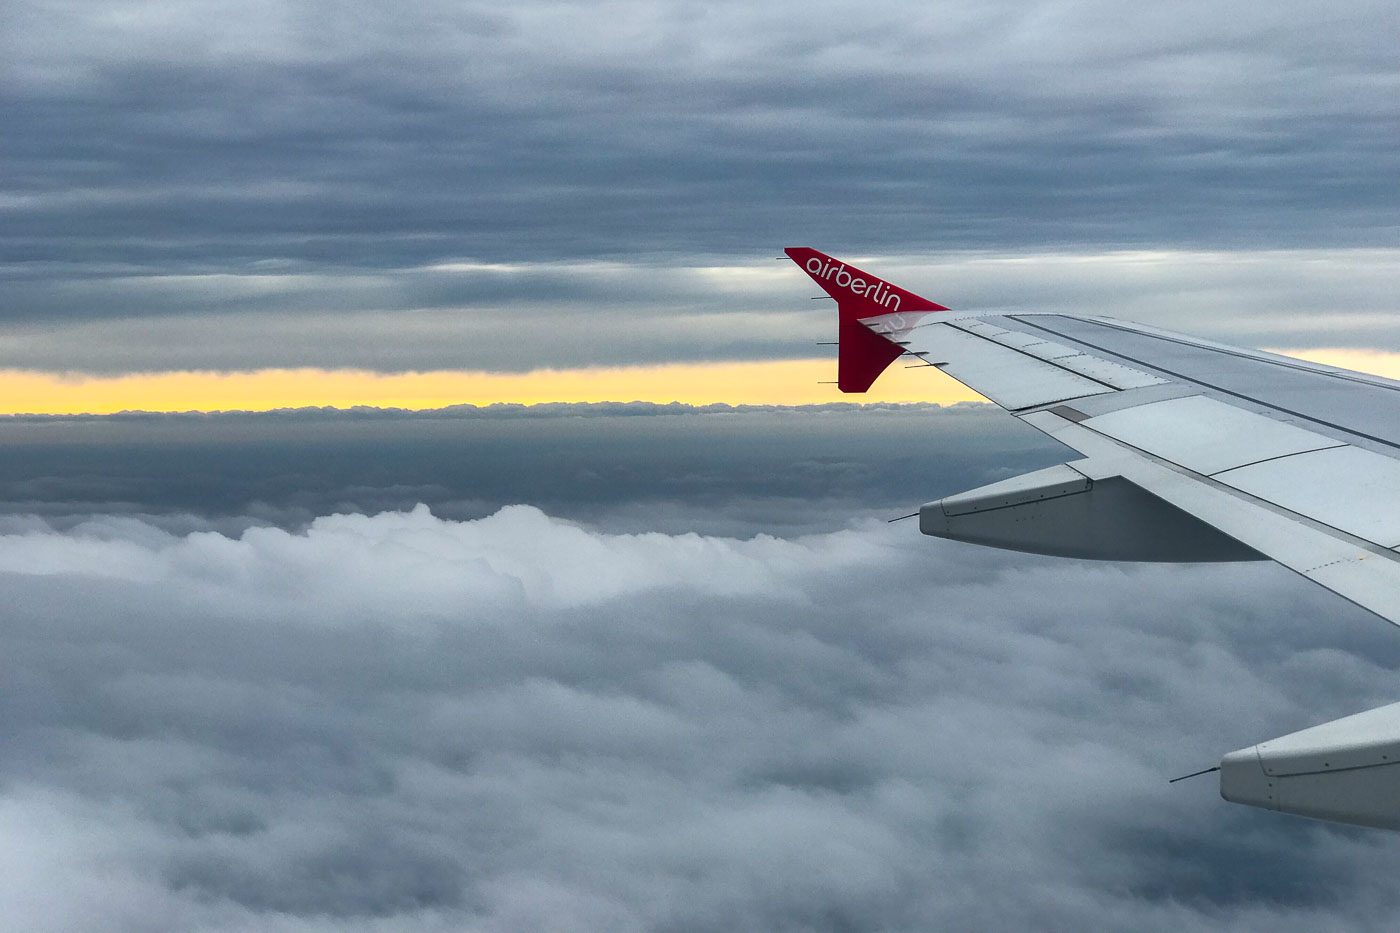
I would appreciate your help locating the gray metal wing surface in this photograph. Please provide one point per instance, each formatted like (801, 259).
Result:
(1297, 461)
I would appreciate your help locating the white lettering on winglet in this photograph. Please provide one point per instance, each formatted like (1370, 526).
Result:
(876, 291)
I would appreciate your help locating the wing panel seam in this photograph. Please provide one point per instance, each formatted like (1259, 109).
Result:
(1296, 453)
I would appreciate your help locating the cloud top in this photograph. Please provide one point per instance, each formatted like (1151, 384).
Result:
(403, 722)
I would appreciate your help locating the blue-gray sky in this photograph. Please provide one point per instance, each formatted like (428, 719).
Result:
(416, 185)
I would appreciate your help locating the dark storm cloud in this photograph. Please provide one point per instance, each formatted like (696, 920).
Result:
(316, 163)
(399, 722)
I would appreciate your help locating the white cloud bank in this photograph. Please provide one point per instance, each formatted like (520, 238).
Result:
(403, 723)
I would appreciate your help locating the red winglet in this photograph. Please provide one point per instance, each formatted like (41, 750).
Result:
(862, 354)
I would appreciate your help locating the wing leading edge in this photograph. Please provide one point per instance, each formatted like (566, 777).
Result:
(1191, 450)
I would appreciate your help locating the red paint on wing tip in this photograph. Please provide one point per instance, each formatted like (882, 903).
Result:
(862, 354)
(858, 294)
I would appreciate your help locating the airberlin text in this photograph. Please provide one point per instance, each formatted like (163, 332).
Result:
(876, 291)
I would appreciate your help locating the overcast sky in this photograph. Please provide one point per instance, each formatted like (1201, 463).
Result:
(419, 185)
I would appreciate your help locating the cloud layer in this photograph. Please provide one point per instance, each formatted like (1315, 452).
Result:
(400, 722)
(532, 316)
(303, 183)
(351, 133)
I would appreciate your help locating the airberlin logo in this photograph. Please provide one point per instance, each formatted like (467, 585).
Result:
(876, 291)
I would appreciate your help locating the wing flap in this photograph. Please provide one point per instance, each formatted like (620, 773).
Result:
(1366, 574)
(1062, 355)
(1115, 374)
(1011, 378)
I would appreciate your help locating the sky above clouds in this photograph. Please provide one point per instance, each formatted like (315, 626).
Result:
(437, 186)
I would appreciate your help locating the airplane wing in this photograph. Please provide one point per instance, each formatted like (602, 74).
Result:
(1191, 450)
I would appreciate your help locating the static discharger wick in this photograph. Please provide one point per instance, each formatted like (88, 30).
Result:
(1194, 774)
(902, 518)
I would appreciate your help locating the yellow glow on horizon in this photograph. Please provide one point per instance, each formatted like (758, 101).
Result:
(1376, 362)
(788, 382)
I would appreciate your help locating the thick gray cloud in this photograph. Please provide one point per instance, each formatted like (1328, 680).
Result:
(400, 722)
(721, 692)
(364, 185)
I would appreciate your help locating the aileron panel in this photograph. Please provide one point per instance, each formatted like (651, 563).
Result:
(1008, 377)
